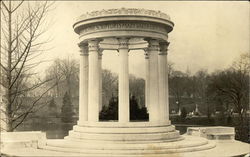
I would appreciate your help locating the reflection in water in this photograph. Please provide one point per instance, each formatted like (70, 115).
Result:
(54, 129)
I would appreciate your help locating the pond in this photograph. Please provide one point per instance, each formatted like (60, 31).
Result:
(53, 130)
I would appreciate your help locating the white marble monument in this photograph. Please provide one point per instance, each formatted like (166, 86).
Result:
(126, 30)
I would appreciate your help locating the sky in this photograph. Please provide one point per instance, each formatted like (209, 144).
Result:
(206, 35)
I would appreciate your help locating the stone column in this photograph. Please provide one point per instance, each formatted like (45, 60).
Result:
(154, 109)
(83, 83)
(163, 82)
(123, 106)
(146, 78)
(100, 78)
(94, 92)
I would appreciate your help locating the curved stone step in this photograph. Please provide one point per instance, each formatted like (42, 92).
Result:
(124, 137)
(110, 124)
(119, 142)
(123, 130)
(174, 147)
(125, 146)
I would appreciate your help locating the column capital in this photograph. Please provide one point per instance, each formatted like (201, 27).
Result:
(93, 45)
(81, 44)
(123, 43)
(164, 48)
(146, 53)
(100, 50)
(153, 44)
(83, 49)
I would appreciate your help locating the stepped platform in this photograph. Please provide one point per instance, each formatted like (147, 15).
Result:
(134, 149)
(132, 139)
(120, 141)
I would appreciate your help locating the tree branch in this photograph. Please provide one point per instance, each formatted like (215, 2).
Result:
(17, 6)
(7, 9)
(25, 114)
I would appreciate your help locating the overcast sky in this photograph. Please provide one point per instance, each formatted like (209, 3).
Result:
(206, 35)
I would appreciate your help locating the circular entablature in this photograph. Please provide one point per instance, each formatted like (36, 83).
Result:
(129, 23)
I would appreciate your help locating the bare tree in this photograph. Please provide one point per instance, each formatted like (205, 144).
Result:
(22, 25)
(70, 71)
(65, 74)
(242, 64)
(199, 86)
(177, 86)
(137, 89)
(232, 86)
(54, 72)
(110, 85)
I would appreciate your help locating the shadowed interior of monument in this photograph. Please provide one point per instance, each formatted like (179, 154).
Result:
(137, 104)
(136, 114)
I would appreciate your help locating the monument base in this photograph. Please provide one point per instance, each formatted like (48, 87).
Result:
(187, 145)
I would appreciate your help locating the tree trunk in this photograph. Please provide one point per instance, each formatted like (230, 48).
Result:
(9, 77)
(69, 88)
(57, 90)
(9, 126)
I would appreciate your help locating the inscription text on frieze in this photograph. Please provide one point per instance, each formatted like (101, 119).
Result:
(124, 26)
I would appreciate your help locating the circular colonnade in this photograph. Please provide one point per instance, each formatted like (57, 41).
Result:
(124, 30)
